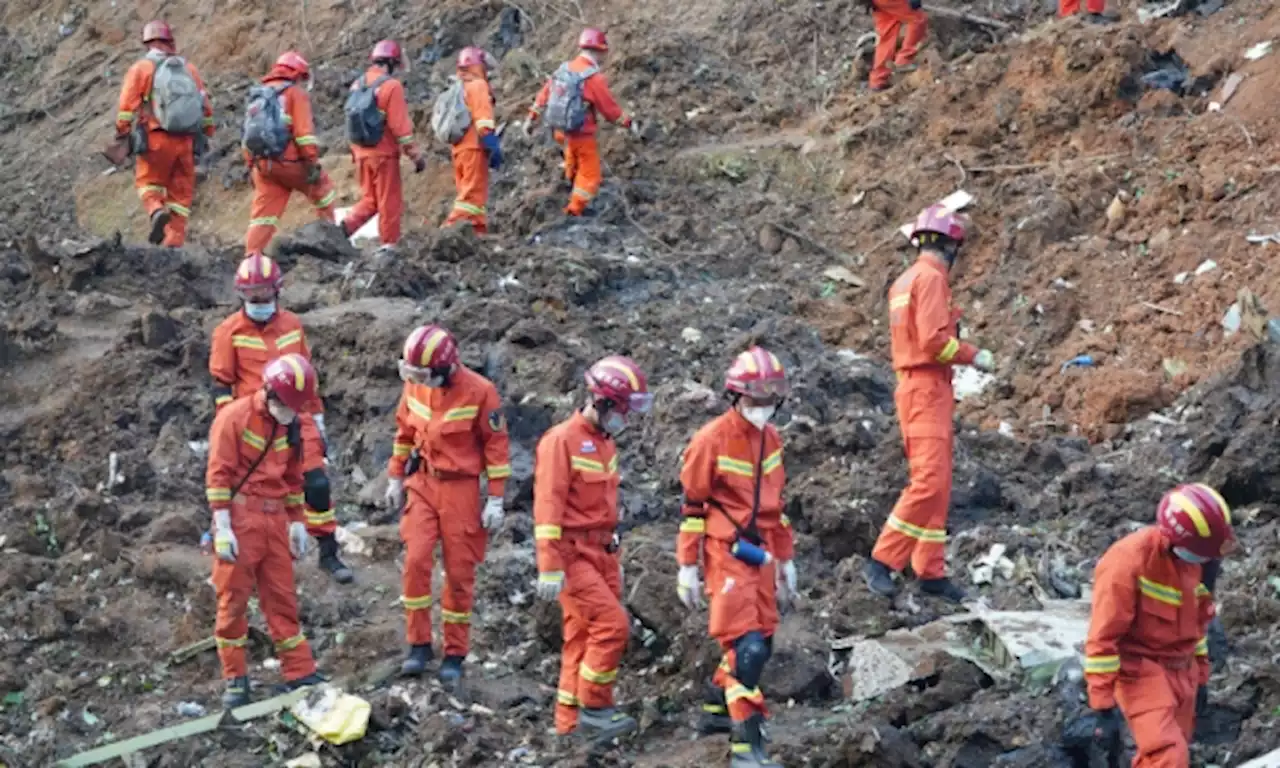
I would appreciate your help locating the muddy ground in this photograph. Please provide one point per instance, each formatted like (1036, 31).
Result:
(762, 167)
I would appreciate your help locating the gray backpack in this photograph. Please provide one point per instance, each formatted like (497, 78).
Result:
(450, 117)
(265, 133)
(365, 122)
(566, 107)
(176, 99)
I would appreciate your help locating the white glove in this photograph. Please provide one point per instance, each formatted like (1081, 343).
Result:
(550, 584)
(492, 515)
(527, 129)
(635, 128)
(224, 539)
(394, 497)
(786, 581)
(298, 540)
(319, 420)
(984, 361)
(689, 587)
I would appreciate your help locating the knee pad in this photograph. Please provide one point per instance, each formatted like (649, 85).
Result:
(751, 652)
(315, 488)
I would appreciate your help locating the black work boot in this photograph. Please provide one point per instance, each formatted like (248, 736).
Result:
(879, 579)
(330, 562)
(159, 220)
(315, 678)
(450, 672)
(236, 694)
(416, 663)
(943, 588)
(746, 745)
(605, 724)
(1098, 18)
(715, 712)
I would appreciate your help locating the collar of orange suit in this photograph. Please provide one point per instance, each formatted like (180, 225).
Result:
(473, 72)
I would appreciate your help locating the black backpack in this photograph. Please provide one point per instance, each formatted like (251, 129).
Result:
(365, 122)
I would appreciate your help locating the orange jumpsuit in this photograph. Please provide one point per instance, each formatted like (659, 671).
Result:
(470, 161)
(238, 354)
(1070, 7)
(890, 16)
(269, 498)
(165, 175)
(922, 333)
(581, 151)
(275, 179)
(1147, 650)
(460, 434)
(719, 473)
(379, 166)
(575, 512)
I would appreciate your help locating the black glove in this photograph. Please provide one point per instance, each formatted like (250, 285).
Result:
(1216, 637)
(915, 4)
(1106, 724)
(1202, 700)
(313, 173)
(419, 164)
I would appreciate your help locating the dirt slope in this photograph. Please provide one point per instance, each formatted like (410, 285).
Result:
(762, 167)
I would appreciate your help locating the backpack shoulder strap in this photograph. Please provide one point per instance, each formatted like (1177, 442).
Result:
(377, 83)
(588, 73)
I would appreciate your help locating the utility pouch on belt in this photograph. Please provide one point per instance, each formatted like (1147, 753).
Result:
(413, 464)
(138, 144)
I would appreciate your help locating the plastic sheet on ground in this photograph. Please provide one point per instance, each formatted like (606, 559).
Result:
(366, 234)
(336, 717)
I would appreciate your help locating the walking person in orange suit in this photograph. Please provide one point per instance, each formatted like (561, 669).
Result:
(169, 116)
(1095, 10)
(575, 514)
(1146, 655)
(243, 344)
(298, 168)
(478, 150)
(925, 342)
(890, 17)
(733, 524)
(378, 164)
(575, 98)
(254, 487)
(449, 431)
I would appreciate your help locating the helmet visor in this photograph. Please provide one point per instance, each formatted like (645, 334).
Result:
(640, 402)
(413, 374)
(258, 294)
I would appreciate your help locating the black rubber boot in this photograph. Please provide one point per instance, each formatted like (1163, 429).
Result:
(159, 220)
(715, 712)
(605, 724)
(450, 672)
(943, 588)
(330, 562)
(746, 745)
(416, 663)
(1098, 18)
(315, 678)
(879, 579)
(236, 694)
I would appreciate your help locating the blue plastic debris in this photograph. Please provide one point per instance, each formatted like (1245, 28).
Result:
(1082, 361)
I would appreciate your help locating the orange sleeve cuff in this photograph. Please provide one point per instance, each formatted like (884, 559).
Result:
(548, 549)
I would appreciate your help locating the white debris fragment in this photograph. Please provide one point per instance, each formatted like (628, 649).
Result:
(199, 447)
(1208, 265)
(1231, 320)
(1006, 429)
(1181, 278)
(984, 569)
(1258, 50)
(691, 335)
(969, 381)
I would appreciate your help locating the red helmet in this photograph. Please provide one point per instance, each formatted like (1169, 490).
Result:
(1197, 518)
(936, 219)
(157, 30)
(291, 379)
(757, 374)
(386, 49)
(294, 61)
(620, 381)
(257, 272)
(430, 346)
(593, 39)
(472, 56)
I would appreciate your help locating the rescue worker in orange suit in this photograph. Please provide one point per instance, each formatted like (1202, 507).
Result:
(449, 431)
(581, 150)
(379, 166)
(924, 337)
(1146, 653)
(254, 486)
(890, 17)
(165, 175)
(298, 169)
(733, 524)
(1094, 8)
(478, 150)
(242, 344)
(575, 514)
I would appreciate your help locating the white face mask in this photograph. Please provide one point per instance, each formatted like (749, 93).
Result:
(282, 413)
(614, 423)
(1189, 556)
(260, 312)
(759, 416)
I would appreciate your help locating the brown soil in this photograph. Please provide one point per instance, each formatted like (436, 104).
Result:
(762, 166)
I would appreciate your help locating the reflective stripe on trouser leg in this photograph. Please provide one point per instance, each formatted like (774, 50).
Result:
(419, 530)
(592, 591)
(471, 179)
(181, 184)
(1159, 705)
(279, 602)
(583, 155)
(887, 28)
(742, 702)
(319, 523)
(462, 548)
(574, 632)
